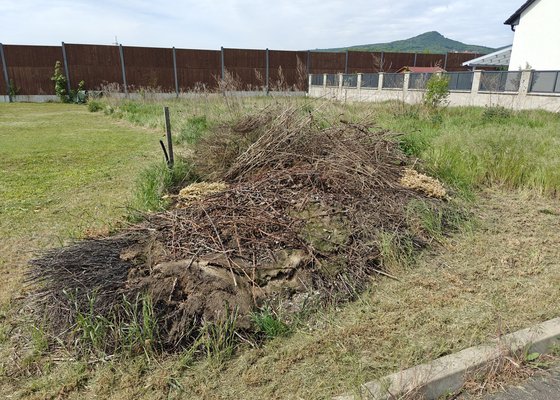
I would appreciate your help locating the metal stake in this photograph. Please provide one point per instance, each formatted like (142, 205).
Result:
(168, 134)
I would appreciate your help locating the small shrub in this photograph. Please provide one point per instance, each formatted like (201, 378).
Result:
(60, 83)
(496, 113)
(78, 95)
(13, 90)
(437, 91)
(94, 105)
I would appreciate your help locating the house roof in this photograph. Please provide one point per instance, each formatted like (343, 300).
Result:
(514, 19)
(421, 70)
(498, 58)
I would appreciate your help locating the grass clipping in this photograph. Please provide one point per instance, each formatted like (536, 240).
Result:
(200, 190)
(431, 187)
(297, 217)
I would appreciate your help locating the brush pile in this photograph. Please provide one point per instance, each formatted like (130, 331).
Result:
(299, 217)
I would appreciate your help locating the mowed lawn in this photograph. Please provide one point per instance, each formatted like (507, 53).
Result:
(63, 172)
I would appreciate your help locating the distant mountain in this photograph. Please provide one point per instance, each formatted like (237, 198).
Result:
(429, 42)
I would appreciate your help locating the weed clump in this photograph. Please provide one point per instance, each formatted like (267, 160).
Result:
(157, 181)
(94, 105)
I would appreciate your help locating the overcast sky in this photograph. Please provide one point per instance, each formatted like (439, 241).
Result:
(276, 24)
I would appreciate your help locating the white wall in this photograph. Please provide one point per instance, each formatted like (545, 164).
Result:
(521, 100)
(536, 40)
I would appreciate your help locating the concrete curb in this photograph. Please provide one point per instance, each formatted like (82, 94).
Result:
(447, 374)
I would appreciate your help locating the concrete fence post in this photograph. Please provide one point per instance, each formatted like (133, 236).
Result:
(380, 81)
(476, 81)
(406, 81)
(525, 82)
(359, 82)
(66, 72)
(324, 81)
(6, 78)
(340, 81)
(175, 73)
(123, 70)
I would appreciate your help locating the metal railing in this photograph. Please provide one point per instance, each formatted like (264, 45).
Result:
(418, 80)
(370, 81)
(460, 81)
(332, 79)
(317, 80)
(350, 80)
(393, 81)
(545, 82)
(499, 81)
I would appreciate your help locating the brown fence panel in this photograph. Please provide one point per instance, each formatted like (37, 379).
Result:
(197, 69)
(430, 60)
(31, 67)
(247, 66)
(96, 65)
(149, 67)
(364, 62)
(454, 61)
(288, 69)
(327, 63)
(392, 62)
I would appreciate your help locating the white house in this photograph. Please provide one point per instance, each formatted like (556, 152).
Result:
(536, 43)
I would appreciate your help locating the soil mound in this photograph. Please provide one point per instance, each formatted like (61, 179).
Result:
(297, 218)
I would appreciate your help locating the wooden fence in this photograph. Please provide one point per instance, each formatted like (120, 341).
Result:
(27, 70)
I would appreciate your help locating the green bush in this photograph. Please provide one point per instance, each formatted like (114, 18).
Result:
(60, 83)
(60, 87)
(437, 91)
(94, 105)
(496, 113)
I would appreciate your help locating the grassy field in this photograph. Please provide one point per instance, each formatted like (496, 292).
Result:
(66, 172)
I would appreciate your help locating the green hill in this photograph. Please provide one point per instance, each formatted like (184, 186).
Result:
(429, 42)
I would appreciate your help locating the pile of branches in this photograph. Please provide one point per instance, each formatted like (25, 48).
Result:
(302, 212)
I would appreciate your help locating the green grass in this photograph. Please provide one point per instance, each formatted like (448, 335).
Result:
(64, 169)
(156, 181)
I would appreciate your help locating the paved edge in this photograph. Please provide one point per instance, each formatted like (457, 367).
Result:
(447, 374)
